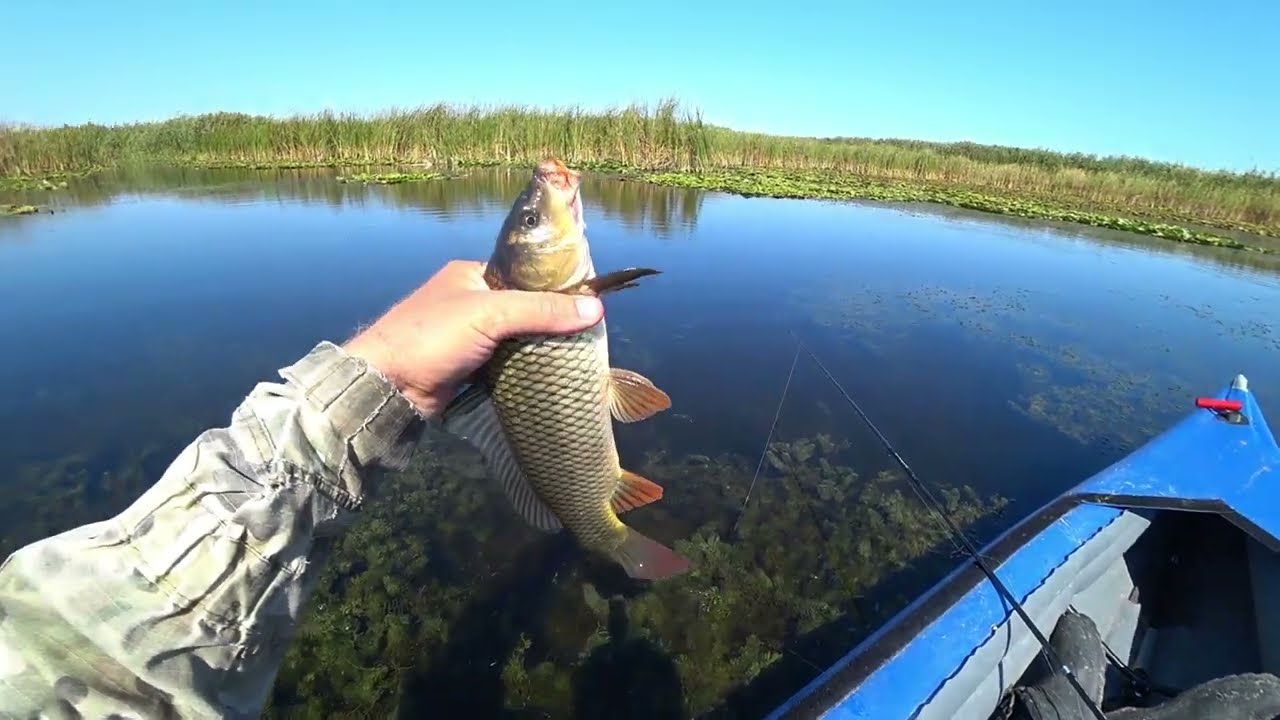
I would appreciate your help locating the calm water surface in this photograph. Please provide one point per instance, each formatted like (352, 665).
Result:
(1005, 357)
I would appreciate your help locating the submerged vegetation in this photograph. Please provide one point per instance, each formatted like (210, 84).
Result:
(440, 601)
(1114, 192)
(1110, 391)
(439, 598)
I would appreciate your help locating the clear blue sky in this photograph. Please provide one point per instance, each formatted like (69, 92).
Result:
(1178, 80)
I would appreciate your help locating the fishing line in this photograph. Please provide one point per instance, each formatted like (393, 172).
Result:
(925, 496)
(768, 438)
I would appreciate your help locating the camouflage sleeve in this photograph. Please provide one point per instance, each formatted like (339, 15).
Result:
(184, 603)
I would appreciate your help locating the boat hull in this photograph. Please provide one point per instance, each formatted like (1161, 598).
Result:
(959, 647)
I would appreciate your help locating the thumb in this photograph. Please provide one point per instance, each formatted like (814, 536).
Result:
(517, 312)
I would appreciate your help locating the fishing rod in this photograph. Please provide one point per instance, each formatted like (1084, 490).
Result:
(957, 537)
(932, 503)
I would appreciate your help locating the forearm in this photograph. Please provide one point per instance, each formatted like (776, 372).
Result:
(189, 597)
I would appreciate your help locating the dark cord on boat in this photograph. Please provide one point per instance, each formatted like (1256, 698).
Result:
(933, 504)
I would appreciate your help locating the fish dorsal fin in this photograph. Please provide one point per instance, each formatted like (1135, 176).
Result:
(634, 397)
(634, 491)
(472, 417)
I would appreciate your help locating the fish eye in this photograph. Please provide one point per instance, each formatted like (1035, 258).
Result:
(530, 219)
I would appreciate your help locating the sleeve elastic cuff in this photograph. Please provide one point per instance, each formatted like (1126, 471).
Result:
(380, 425)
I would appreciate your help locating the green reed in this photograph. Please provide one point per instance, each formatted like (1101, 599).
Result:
(659, 137)
(440, 134)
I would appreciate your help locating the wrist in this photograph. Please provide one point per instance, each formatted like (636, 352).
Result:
(369, 347)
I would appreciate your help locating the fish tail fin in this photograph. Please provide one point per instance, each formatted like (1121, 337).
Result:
(647, 559)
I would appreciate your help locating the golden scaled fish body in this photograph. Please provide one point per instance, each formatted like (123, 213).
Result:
(543, 408)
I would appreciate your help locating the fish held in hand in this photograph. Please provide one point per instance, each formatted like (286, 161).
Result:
(542, 409)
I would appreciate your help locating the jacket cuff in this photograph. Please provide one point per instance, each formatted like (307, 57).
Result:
(380, 425)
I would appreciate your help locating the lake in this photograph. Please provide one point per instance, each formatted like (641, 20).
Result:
(1005, 359)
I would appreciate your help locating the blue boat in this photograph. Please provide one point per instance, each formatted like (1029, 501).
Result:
(1173, 552)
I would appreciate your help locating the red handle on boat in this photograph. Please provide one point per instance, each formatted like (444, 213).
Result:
(1217, 404)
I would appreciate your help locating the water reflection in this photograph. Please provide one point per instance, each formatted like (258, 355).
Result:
(668, 213)
(1006, 359)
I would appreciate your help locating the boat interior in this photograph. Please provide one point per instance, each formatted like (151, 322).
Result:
(1191, 598)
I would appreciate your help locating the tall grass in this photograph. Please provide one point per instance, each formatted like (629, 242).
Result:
(650, 137)
(635, 136)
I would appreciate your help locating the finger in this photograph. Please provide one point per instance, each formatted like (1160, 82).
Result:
(505, 313)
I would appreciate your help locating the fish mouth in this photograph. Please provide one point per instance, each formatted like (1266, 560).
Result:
(564, 181)
(558, 175)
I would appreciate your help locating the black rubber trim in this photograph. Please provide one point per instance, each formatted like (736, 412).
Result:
(1217, 507)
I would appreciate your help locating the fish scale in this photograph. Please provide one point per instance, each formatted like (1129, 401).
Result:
(552, 396)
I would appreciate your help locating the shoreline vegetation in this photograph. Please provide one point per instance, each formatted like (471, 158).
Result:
(666, 145)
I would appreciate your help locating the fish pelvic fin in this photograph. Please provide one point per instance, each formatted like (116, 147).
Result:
(647, 559)
(472, 417)
(634, 397)
(634, 491)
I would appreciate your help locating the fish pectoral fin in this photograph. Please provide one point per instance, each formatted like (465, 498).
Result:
(634, 491)
(472, 417)
(614, 281)
(634, 397)
(647, 559)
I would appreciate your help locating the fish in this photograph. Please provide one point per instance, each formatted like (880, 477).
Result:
(541, 409)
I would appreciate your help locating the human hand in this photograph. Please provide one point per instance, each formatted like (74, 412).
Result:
(430, 341)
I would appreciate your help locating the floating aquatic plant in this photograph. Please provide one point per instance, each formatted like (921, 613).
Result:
(10, 209)
(389, 178)
(784, 184)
